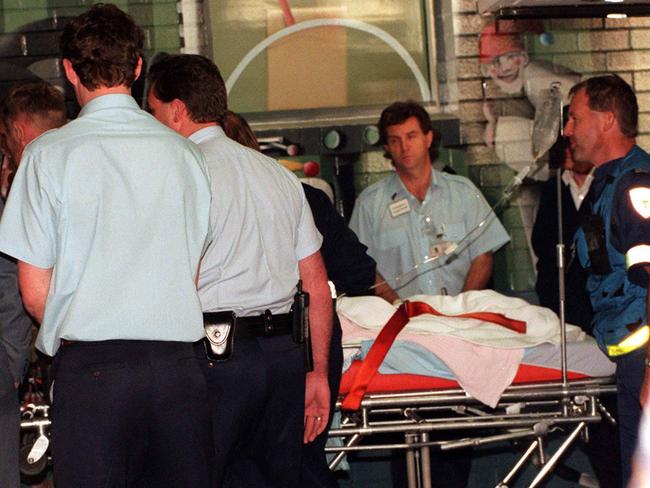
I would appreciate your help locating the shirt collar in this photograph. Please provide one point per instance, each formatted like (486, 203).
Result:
(113, 100)
(207, 133)
(397, 188)
(609, 171)
(613, 168)
(567, 178)
(578, 193)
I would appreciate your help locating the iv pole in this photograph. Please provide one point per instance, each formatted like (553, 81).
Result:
(560, 258)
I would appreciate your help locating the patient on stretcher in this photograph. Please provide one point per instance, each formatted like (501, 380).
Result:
(482, 350)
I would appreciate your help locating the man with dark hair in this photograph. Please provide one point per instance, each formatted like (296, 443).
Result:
(264, 403)
(118, 205)
(614, 238)
(430, 232)
(420, 215)
(398, 113)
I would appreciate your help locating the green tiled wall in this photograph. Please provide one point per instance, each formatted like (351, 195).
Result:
(30, 31)
(159, 19)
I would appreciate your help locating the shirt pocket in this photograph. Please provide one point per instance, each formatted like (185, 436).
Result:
(391, 238)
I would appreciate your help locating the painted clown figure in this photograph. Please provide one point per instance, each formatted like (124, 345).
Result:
(514, 88)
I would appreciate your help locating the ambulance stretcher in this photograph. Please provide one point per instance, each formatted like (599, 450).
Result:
(414, 406)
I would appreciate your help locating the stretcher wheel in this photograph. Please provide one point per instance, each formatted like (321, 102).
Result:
(27, 469)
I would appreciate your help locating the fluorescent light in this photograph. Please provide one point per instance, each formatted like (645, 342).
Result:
(616, 16)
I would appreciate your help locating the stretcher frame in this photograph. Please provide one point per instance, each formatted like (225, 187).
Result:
(527, 411)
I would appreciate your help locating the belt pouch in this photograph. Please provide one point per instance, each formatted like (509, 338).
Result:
(219, 339)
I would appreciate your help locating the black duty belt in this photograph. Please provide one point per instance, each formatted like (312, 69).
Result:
(266, 325)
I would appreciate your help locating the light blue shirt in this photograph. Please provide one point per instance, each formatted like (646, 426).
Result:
(118, 205)
(401, 236)
(261, 227)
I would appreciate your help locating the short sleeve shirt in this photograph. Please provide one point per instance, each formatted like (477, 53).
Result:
(261, 228)
(118, 205)
(403, 233)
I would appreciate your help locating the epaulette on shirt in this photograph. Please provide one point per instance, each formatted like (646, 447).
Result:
(455, 178)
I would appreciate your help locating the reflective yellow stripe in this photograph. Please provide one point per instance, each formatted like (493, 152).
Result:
(633, 341)
(640, 198)
(637, 254)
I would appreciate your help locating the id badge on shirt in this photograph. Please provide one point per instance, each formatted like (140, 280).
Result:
(400, 207)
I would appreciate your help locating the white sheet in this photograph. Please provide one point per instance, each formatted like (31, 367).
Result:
(483, 356)
(542, 324)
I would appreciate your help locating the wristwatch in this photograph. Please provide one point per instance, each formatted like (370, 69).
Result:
(646, 361)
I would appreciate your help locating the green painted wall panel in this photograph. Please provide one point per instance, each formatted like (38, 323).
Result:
(14, 20)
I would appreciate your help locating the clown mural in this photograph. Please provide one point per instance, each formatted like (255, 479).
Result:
(514, 87)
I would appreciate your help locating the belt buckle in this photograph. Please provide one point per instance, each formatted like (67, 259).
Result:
(268, 323)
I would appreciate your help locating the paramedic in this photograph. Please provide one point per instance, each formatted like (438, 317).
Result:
(613, 240)
(419, 214)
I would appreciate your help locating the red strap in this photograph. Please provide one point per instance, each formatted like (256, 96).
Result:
(388, 333)
(514, 325)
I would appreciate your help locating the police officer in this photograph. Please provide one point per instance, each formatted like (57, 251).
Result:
(614, 237)
(264, 241)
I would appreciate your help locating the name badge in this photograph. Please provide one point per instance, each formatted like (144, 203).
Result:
(399, 207)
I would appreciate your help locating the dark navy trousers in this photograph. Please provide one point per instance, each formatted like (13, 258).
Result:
(257, 399)
(130, 414)
(630, 371)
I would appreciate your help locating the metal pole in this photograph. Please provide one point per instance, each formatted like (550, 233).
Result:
(425, 462)
(339, 457)
(411, 471)
(517, 467)
(561, 265)
(556, 456)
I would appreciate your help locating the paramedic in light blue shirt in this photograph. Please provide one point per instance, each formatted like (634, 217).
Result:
(419, 213)
(108, 217)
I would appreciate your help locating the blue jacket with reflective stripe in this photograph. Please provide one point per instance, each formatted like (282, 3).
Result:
(617, 302)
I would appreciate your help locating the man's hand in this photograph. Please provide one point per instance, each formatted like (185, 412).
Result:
(317, 393)
(383, 289)
(317, 405)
